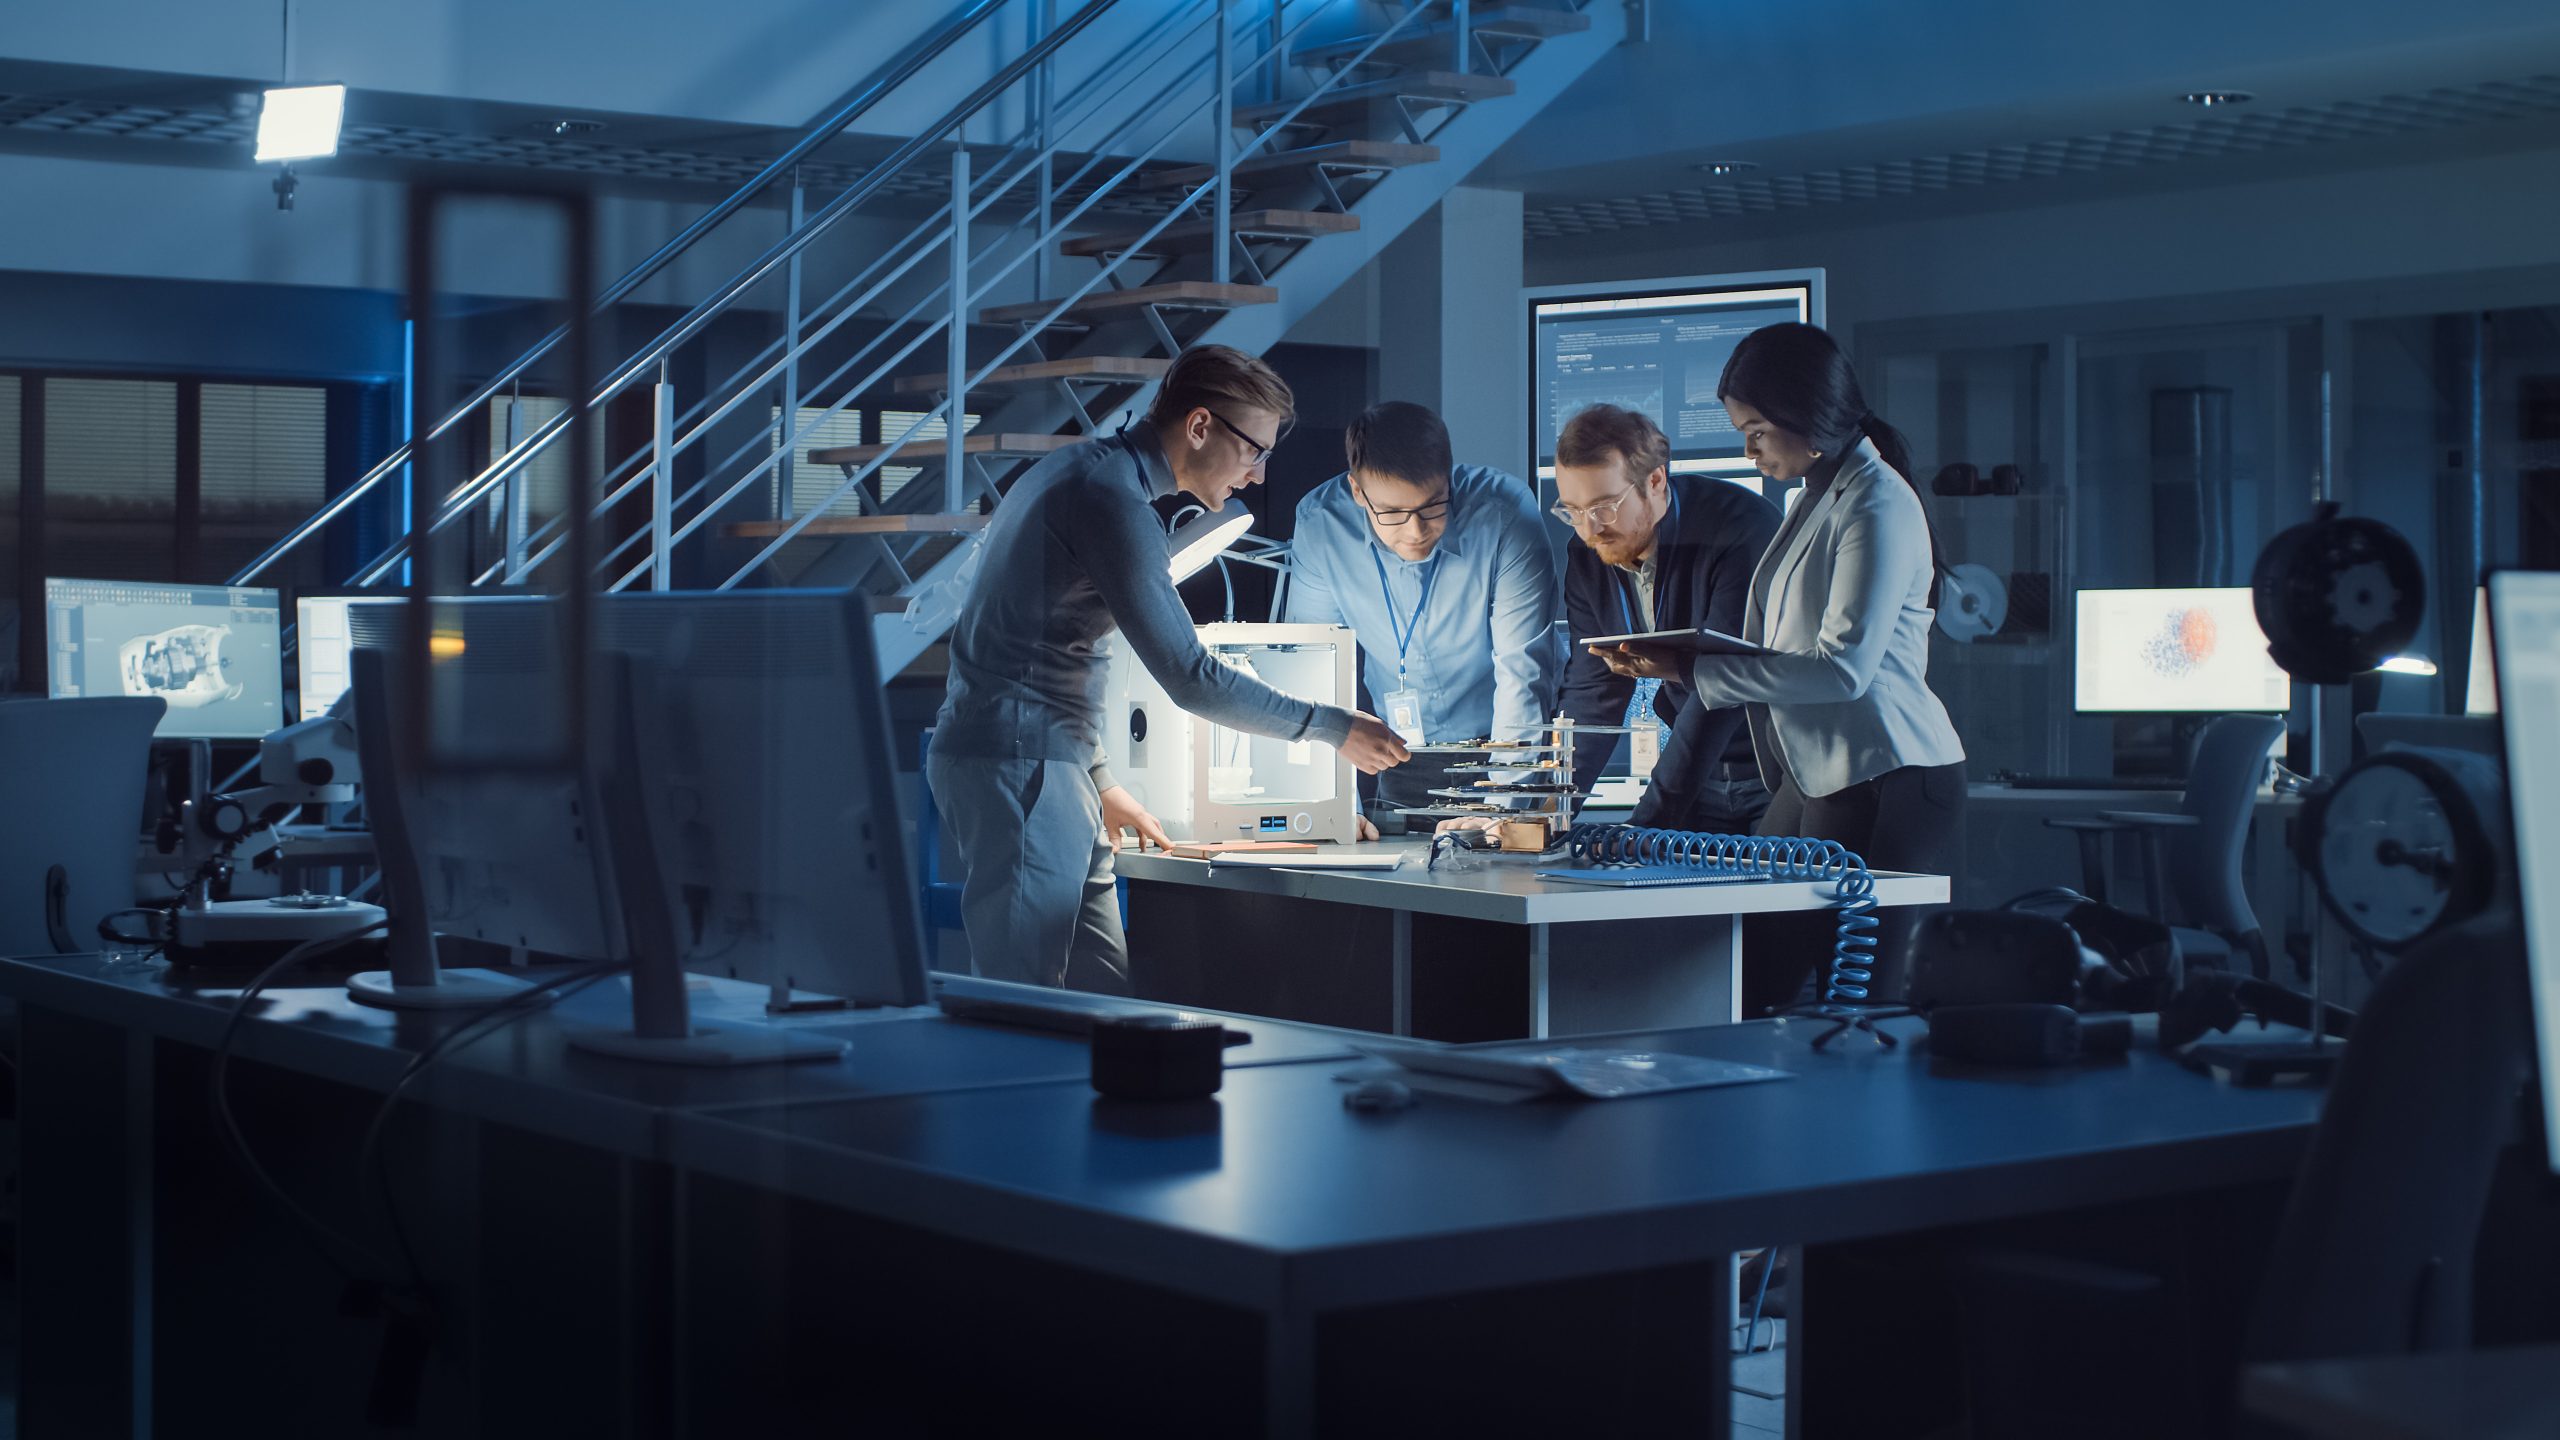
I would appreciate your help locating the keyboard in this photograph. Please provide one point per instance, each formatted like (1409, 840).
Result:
(2092, 782)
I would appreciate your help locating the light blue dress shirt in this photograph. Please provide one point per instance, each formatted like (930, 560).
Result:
(1485, 656)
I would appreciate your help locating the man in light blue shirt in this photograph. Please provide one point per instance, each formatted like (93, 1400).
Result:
(1444, 573)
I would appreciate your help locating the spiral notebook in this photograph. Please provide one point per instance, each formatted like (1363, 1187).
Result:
(1646, 877)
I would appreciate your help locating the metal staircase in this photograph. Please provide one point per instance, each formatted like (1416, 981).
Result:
(1211, 176)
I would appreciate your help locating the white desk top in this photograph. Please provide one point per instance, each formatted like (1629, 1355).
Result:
(1508, 889)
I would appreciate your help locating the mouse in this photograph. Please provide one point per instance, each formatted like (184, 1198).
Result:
(1379, 1095)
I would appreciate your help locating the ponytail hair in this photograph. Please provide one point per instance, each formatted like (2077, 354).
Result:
(1798, 376)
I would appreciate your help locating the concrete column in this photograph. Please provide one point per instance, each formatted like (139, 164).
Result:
(1452, 330)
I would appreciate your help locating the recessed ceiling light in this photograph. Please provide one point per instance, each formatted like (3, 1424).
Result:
(2211, 98)
(1727, 167)
(563, 129)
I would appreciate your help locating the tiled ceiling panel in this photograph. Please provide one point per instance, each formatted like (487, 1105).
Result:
(41, 115)
(2342, 122)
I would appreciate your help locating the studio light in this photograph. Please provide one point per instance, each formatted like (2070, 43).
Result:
(300, 122)
(2407, 665)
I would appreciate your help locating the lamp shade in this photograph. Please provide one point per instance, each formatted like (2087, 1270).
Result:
(1203, 538)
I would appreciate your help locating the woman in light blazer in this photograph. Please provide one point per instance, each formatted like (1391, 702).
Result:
(1853, 745)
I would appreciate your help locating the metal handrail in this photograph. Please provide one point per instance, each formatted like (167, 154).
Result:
(643, 465)
(466, 496)
(905, 67)
(648, 357)
(774, 545)
(626, 476)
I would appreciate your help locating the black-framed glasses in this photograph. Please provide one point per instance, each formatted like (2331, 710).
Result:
(1261, 452)
(1604, 514)
(1432, 511)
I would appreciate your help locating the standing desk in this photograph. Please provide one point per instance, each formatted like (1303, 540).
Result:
(1488, 953)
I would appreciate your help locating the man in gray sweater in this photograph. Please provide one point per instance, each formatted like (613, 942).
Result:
(1075, 550)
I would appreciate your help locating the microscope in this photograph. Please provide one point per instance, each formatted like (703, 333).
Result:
(211, 836)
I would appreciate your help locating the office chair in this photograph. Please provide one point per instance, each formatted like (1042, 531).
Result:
(2477, 734)
(2198, 875)
(2373, 1256)
(71, 780)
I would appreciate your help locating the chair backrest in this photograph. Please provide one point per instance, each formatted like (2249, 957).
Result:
(2477, 734)
(2375, 1253)
(2222, 793)
(71, 779)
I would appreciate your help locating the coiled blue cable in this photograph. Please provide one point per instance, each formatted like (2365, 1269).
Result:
(1781, 857)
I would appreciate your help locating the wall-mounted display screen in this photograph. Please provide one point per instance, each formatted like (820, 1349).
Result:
(1659, 347)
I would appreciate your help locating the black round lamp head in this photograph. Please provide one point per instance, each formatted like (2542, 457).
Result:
(2337, 596)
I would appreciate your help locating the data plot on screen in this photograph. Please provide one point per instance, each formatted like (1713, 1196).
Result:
(2192, 651)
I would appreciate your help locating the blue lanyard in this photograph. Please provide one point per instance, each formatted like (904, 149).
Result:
(1404, 633)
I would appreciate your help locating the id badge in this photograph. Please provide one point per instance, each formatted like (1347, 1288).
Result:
(1404, 714)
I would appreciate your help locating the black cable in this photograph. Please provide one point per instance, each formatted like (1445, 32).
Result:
(486, 1022)
(323, 1234)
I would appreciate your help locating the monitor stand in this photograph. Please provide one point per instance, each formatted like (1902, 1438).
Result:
(663, 1030)
(416, 982)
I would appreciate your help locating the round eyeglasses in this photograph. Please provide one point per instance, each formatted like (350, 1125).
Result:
(1604, 514)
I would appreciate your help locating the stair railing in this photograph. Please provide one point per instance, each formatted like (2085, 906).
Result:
(904, 67)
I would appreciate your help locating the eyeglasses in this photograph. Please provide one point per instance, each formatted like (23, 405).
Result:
(1391, 518)
(1604, 514)
(1261, 452)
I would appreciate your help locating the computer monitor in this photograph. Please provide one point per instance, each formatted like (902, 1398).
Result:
(213, 652)
(510, 859)
(1658, 347)
(2480, 696)
(321, 645)
(2524, 627)
(2195, 651)
(763, 734)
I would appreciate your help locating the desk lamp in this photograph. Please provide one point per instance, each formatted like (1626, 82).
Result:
(1203, 538)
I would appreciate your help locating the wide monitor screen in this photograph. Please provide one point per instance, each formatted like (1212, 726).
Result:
(2525, 635)
(2194, 651)
(213, 652)
(1658, 347)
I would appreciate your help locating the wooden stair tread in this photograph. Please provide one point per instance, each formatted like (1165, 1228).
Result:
(1187, 294)
(1509, 22)
(1129, 369)
(1414, 85)
(1176, 239)
(826, 525)
(921, 452)
(1364, 154)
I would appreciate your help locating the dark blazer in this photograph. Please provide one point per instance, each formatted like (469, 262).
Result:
(1705, 550)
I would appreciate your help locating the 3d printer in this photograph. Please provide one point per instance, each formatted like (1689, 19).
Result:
(1207, 782)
